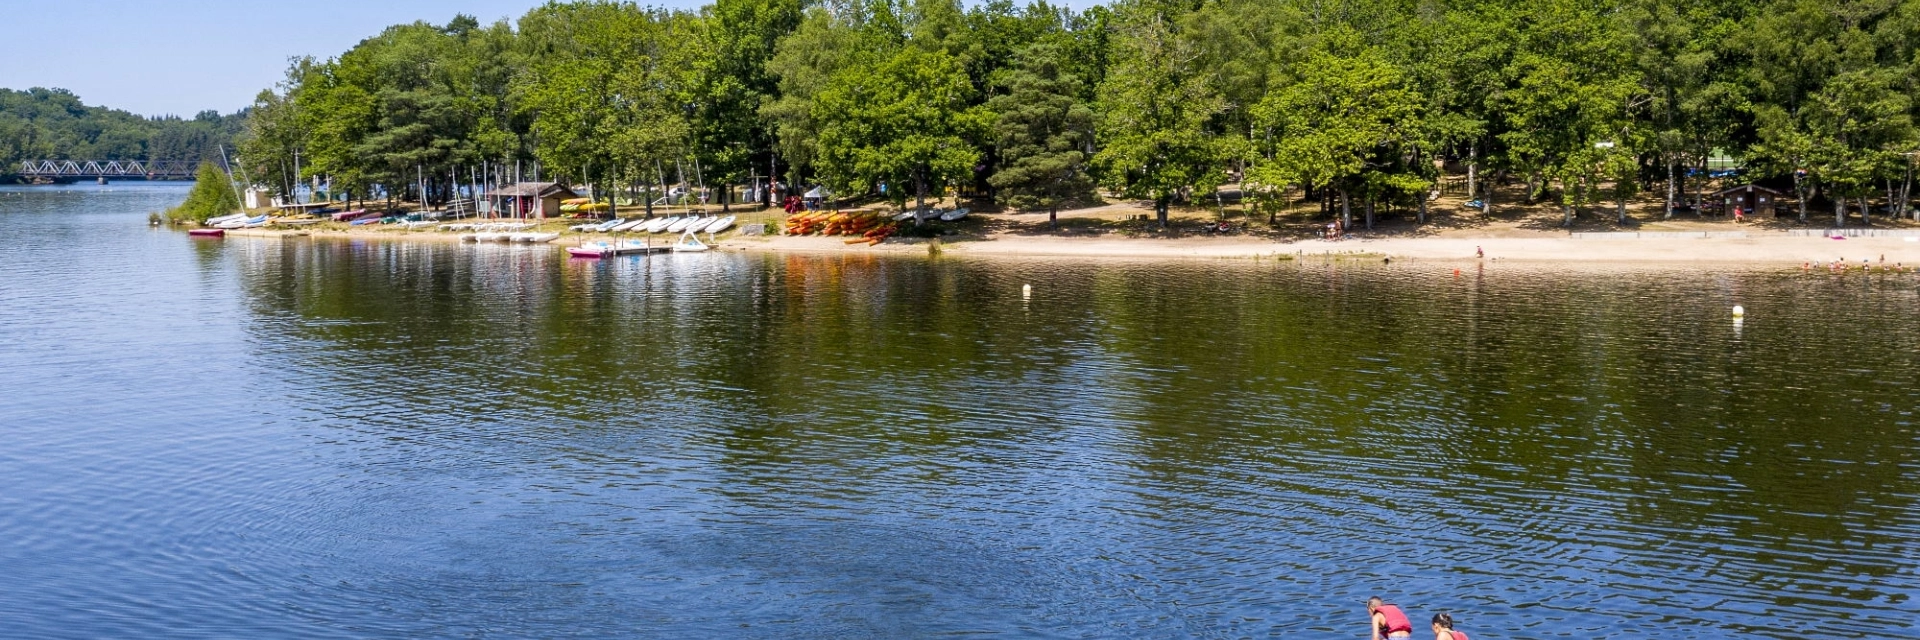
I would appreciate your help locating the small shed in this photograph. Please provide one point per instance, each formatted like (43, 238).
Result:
(1754, 199)
(531, 199)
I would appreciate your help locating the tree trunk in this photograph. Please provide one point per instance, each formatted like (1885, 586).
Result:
(1346, 210)
(1673, 172)
(920, 195)
(1473, 170)
(1906, 184)
(1053, 217)
(1839, 211)
(1700, 195)
(1369, 213)
(1530, 191)
(1906, 193)
(1160, 209)
(1800, 193)
(1423, 208)
(1622, 193)
(1566, 205)
(1866, 213)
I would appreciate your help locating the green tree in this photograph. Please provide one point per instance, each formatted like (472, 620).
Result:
(212, 196)
(903, 122)
(1155, 110)
(1341, 126)
(1043, 134)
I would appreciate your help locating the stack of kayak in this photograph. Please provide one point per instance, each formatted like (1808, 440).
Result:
(584, 207)
(870, 227)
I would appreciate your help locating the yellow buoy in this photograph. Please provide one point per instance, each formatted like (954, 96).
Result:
(1026, 291)
(1739, 311)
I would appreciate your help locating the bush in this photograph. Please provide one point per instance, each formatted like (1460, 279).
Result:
(212, 196)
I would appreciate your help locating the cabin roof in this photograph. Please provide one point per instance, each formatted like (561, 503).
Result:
(533, 190)
(1746, 188)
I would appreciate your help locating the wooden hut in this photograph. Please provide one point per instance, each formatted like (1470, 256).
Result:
(1751, 198)
(531, 199)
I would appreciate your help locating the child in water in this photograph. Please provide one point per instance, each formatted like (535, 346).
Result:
(1443, 628)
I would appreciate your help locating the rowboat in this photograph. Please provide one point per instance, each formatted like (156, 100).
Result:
(590, 251)
(244, 223)
(953, 215)
(700, 224)
(348, 216)
(207, 233)
(681, 224)
(659, 224)
(720, 225)
(610, 224)
(629, 226)
(214, 222)
(535, 237)
(605, 249)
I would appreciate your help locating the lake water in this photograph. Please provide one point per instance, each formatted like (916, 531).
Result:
(262, 438)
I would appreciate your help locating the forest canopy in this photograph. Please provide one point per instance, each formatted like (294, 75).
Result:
(1361, 101)
(53, 124)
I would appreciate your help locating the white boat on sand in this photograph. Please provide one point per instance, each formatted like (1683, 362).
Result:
(682, 224)
(658, 225)
(720, 225)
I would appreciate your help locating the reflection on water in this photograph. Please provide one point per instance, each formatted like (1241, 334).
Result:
(329, 438)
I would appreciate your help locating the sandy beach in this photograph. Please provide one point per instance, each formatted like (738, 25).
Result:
(1452, 235)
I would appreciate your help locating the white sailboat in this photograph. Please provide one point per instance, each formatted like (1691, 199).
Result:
(689, 243)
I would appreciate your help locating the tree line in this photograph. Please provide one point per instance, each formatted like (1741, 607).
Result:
(1356, 103)
(53, 124)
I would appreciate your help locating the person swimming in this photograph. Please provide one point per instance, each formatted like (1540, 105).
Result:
(1443, 628)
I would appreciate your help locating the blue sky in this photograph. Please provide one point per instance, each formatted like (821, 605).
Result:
(157, 57)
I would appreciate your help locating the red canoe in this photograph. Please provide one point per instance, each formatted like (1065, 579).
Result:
(207, 233)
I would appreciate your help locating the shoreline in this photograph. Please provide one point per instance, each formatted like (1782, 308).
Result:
(1757, 247)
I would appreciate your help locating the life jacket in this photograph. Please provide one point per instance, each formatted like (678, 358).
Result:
(1396, 621)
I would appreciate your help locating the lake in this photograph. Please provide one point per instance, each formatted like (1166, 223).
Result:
(340, 439)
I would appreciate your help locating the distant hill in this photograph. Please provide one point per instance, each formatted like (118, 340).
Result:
(53, 124)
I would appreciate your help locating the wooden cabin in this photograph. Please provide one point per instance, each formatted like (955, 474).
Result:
(1751, 198)
(530, 199)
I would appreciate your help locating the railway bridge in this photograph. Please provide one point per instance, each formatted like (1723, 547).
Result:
(70, 170)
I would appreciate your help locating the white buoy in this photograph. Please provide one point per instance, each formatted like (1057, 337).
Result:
(1026, 291)
(1739, 311)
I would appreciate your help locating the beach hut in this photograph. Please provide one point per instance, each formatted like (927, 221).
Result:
(1751, 198)
(531, 199)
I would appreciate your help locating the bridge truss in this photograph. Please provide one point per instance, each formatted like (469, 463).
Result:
(122, 169)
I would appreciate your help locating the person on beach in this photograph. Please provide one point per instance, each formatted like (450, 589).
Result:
(1389, 622)
(1738, 217)
(1443, 628)
(1478, 253)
